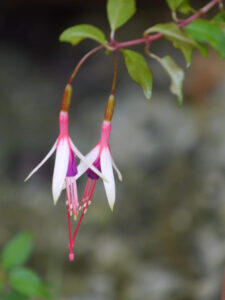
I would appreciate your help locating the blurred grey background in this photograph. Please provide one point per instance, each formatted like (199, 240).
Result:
(166, 238)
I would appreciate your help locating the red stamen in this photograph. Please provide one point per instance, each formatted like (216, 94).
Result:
(86, 200)
(71, 254)
(88, 192)
(72, 205)
(78, 225)
(86, 189)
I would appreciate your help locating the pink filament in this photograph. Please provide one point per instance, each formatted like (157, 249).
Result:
(86, 200)
(72, 207)
(72, 197)
(88, 193)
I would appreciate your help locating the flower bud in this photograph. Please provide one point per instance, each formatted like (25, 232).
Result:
(109, 108)
(66, 98)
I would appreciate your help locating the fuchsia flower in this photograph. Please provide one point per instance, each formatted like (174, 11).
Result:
(65, 170)
(100, 156)
(65, 167)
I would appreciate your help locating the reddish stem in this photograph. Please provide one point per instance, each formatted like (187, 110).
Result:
(148, 38)
(83, 59)
(200, 13)
(114, 72)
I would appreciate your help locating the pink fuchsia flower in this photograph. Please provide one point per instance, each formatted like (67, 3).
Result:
(100, 156)
(65, 167)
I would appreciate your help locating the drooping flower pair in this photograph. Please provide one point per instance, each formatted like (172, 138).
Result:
(66, 171)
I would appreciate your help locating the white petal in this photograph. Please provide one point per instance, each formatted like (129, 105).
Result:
(60, 168)
(107, 171)
(90, 157)
(117, 170)
(82, 157)
(42, 162)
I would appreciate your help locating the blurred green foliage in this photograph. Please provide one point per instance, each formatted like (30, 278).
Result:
(16, 281)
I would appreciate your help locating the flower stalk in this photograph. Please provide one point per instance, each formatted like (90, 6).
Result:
(109, 108)
(115, 70)
(66, 98)
(81, 62)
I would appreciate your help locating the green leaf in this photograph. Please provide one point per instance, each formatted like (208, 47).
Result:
(179, 38)
(174, 4)
(78, 33)
(119, 12)
(220, 17)
(207, 32)
(176, 75)
(14, 296)
(185, 8)
(138, 70)
(28, 283)
(17, 251)
(219, 20)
